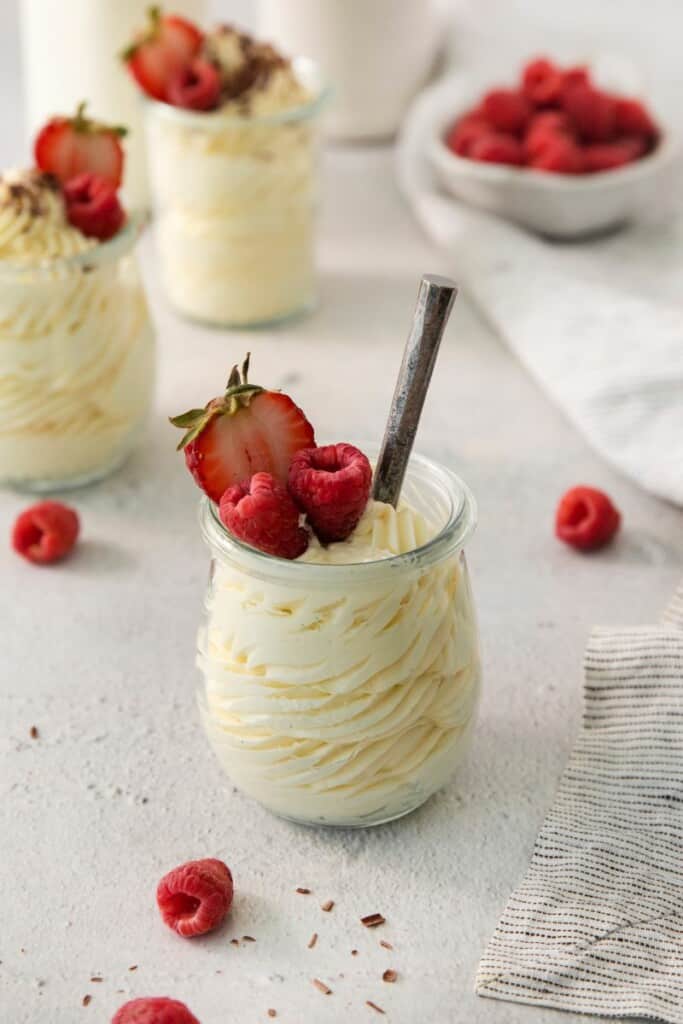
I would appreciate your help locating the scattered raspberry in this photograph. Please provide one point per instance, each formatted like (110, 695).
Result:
(45, 532)
(262, 513)
(497, 148)
(93, 207)
(634, 119)
(558, 154)
(332, 485)
(542, 82)
(465, 132)
(197, 86)
(195, 897)
(157, 1010)
(586, 518)
(508, 110)
(69, 146)
(605, 156)
(593, 112)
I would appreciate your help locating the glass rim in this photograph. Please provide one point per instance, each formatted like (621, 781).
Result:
(115, 247)
(215, 121)
(451, 537)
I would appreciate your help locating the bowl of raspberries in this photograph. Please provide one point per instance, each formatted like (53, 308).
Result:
(555, 152)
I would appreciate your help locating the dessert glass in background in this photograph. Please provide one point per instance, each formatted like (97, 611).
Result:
(235, 194)
(377, 55)
(342, 688)
(91, 34)
(76, 342)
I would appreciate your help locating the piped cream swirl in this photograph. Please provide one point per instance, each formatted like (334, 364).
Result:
(34, 229)
(347, 702)
(76, 343)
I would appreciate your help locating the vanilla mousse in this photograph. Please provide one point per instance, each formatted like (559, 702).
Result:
(235, 188)
(76, 343)
(342, 689)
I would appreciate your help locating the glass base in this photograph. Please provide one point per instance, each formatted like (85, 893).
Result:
(357, 823)
(279, 320)
(72, 483)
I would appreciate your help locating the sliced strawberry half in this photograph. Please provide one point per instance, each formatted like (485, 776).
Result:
(161, 51)
(248, 430)
(69, 146)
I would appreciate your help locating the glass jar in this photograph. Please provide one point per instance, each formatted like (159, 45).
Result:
(343, 694)
(76, 365)
(235, 202)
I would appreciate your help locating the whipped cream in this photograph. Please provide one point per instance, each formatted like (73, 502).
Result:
(76, 343)
(235, 194)
(340, 700)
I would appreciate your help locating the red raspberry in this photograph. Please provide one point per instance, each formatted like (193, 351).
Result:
(542, 82)
(261, 513)
(195, 897)
(578, 75)
(586, 518)
(45, 532)
(593, 112)
(559, 154)
(545, 127)
(197, 86)
(465, 132)
(508, 110)
(633, 118)
(497, 148)
(93, 207)
(332, 485)
(158, 1010)
(605, 156)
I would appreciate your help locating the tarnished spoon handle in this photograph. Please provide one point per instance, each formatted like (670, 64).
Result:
(434, 303)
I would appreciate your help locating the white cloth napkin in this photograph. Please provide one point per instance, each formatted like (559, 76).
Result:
(596, 926)
(598, 324)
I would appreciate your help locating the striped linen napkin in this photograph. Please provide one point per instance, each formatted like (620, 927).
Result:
(596, 926)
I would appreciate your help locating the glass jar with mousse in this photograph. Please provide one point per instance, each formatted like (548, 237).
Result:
(235, 189)
(342, 688)
(76, 342)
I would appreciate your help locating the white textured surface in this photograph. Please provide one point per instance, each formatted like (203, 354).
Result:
(98, 654)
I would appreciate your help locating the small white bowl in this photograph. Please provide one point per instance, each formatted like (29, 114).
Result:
(558, 205)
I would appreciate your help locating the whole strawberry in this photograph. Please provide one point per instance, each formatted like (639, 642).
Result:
(247, 430)
(69, 146)
(332, 486)
(262, 514)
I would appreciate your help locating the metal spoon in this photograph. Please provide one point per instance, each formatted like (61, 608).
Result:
(434, 303)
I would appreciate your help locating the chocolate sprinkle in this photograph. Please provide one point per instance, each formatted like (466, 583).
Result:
(372, 920)
(374, 1006)
(327, 906)
(248, 938)
(86, 1000)
(322, 987)
(385, 944)
(272, 1013)
(133, 967)
(313, 939)
(33, 732)
(389, 976)
(303, 892)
